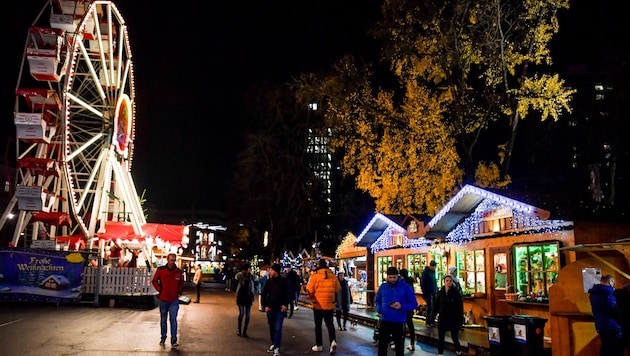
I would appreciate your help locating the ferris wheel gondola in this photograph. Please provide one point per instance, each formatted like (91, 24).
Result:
(74, 117)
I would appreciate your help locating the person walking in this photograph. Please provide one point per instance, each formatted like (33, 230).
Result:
(428, 283)
(276, 296)
(603, 305)
(344, 299)
(409, 322)
(169, 282)
(322, 288)
(245, 292)
(197, 282)
(295, 282)
(393, 300)
(449, 306)
(264, 275)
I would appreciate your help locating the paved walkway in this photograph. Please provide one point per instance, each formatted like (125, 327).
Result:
(475, 338)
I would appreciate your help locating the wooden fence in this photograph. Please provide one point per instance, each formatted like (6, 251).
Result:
(119, 281)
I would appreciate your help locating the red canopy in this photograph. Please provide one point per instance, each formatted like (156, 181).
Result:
(72, 241)
(170, 233)
(115, 230)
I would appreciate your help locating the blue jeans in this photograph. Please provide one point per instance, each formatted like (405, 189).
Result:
(275, 318)
(244, 311)
(169, 310)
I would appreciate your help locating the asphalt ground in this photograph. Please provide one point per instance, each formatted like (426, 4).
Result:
(206, 328)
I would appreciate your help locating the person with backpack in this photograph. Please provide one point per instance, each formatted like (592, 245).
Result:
(245, 292)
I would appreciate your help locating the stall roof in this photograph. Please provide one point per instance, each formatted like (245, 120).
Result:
(465, 202)
(376, 228)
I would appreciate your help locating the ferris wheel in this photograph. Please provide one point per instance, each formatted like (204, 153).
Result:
(74, 117)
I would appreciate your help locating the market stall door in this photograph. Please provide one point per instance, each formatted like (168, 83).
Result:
(500, 281)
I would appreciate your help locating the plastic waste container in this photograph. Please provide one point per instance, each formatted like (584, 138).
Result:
(500, 335)
(529, 335)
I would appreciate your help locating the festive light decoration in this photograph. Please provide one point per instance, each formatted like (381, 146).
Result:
(521, 219)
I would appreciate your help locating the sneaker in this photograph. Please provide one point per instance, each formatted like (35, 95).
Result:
(271, 348)
(317, 348)
(333, 347)
(392, 346)
(412, 348)
(162, 341)
(340, 328)
(276, 352)
(296, 307)
(175, 345)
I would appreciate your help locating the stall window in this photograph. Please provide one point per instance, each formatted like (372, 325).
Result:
(383, 263)
(415, 266)
(537, 268)
(471, 269)
(440, 268)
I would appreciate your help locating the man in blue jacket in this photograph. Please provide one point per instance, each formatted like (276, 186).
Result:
(603, 303)
(393, 300)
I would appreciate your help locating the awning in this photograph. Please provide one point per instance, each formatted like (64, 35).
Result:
(73, 241)
(170, 233)
(115, 230)
(376, 228)
(464, 203)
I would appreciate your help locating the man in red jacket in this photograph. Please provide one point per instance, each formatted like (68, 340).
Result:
(169, 282)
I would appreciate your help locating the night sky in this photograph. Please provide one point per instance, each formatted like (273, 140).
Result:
(193, 63)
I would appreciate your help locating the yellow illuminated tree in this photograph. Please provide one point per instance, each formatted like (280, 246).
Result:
(459, 68)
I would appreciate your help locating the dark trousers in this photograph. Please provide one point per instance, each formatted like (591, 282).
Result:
(339, 313)
(454, 330)
(430, 314)
(198, 286)
(390, 331)
(327, 316)
(410, 328)
(612, 344)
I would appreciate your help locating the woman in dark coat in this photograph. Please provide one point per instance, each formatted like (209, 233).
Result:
(450, 309)
(244, 297)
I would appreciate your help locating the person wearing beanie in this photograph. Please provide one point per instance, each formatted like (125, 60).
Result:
(276, 296)
(394, 299)
(322, 288)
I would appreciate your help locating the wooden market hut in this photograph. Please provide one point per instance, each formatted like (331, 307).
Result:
(573, 328)
(352, 260)
(491, 239)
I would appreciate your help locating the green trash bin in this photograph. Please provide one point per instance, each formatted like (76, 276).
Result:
(529, 335)
(500, 335)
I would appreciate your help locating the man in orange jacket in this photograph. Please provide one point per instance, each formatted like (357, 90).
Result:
(322, 287)
(169, 282)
